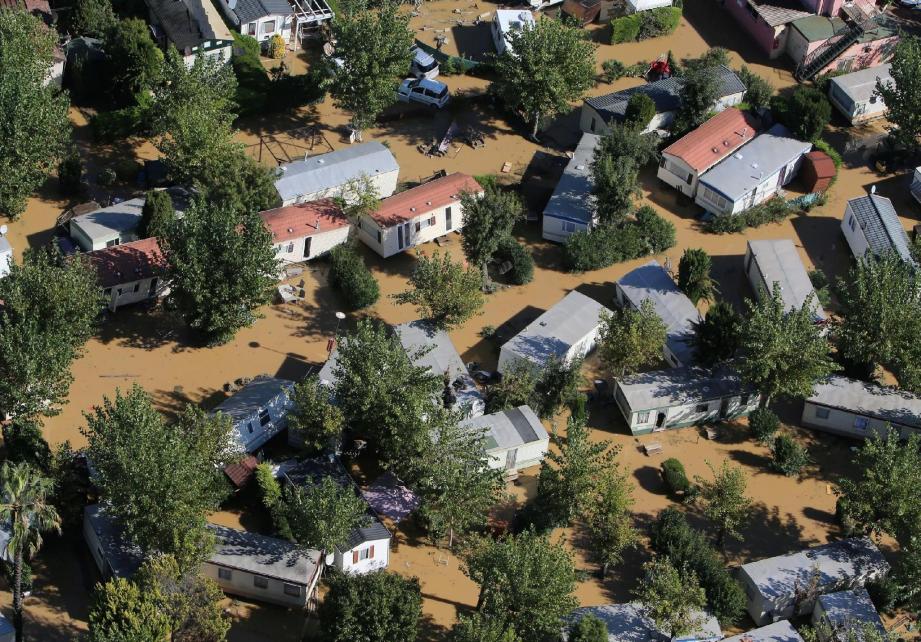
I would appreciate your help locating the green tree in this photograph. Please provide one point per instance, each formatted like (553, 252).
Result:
(134, 62)
(724, 500)
(608, 517)
(157, 215)
(903, 95)
(487, 220)
(25, 507)
(33, 117)
(589, 628)
(91, 18)
(615, 171)
(763, 424)
(190, 601)
(322, 515)
(524, 579)
(382, 395)
(699, 91)
(694, 275)
(718, 336)
(557, 385)
(806, 112)
(758, 91)
(221, 266)
(349, 274)
(50, 307)
(23, 442)
(234, 181)
(443, 291)
(630, 339)
(641, 109)
(544, 69)
(482, 628)
(672, 598)
(453, 478)
(370, 607)
(131, 446)
(71, 483)
(783, 350)
(787, 456)
(122, 611)
(516, 388)
(373, 47)
(313, 418)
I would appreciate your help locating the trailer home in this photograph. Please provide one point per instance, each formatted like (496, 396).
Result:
(858, 409)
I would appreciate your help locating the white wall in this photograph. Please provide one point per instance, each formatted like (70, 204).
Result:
(526, 455)
(258, 29)
(849, 424)
(728, 101)
(293, 251)
(251, 440)
(378, 558)
(853, 234)
(384, 184)
(92, 542)
(6, 261)
(762, 192)
(241, 583)
(134, 292)
(643, 420)
(557, 229)
(89, 244)
(674, 172)
(389, 237)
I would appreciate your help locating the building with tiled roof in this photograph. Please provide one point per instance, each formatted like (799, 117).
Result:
(418, 215)
(687, 158)
(194, 27)
(871, 225)
(130, 272)
(305, 231)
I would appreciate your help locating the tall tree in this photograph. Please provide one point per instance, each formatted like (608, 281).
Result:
(694, 275)
(671, 597)
(641, 109)
(25, 507)
(49, 311)
(525, 579)
(630, 339)
(724, 500)
(157, 214)
(482, 628)
(322, 515)
(806, 112)
(372, 55)
(758, 91)
(382, 395)
(487, 220)
(608, 517)
(373, 606)
(717, 337)
(91, 18)
(516, 388)
(121, 611)
(33, 116)
(133, 60)
(615, 171)
(236, 182)
(903, 95)
(221, 266)
(544, 69)
(699, 91)
(783, 351)
(443, 291)
(557, 385)
(312, 418)
(132, 448)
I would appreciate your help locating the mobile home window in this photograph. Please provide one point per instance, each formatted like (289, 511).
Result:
(861, 423)
(380, 237)
(569, 227)
(107, 292)
(264, 417)
(642, 417)
(703, 407)
(224, 573)
(822, 413)
(663, 162)
(850, 222)
(137, 286)
(291, 246)
(293, 590)
(743, 400)
(364, 554)
(260, 582)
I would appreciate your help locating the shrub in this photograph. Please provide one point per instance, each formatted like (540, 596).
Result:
(658, 22)
(613, 69)
(109, 126)
(657, 233)
(788, 457)
(350, 275)
(107, 177)
(520, 257)
(675, 477)
(640, 110)
(275, 47)
(70, 173)
(820, 283)
(806, 112)
(626, 29)
(758, 91)
(763, 424)
(637, 70)
(589, 628)
(823, 146)
(648, 233)
(771, 211)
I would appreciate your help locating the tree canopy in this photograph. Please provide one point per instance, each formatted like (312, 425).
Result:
(671, 597)
(487, 220)
(133, 60)
(630, 339)
(699, 92)
(694, 275)
(903, 95)
(121, 611)
(717, 336)
(313, 419)
(724, 500)
(370, 607)
(91, 18)
(615, 171)
(322, 515)
(157, 214)
(758, 91)
(608, 516)
(444, 292)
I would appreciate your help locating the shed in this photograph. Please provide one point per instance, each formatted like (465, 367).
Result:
(680, 397)
(515, 438)
(837, 614)
(780, 631)
(651, 282)
(770, 262)
(871, 224)
(818, 171)
(775, 586)
(326, 175)
(566, 331)
(630, 623)
(583, 11)
(854, 408)
(259, 411)
(571, 207)
(855, 96)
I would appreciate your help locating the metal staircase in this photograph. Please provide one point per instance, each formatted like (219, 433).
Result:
(859, 22)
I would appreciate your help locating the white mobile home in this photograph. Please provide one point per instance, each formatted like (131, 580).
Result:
(305, 231)
(418, 215)
(915, 187)
(680, 397)
(566, 331)
(260, 19)
(259, 411)
(515, 438)
(571, 207)
(107, 226)
(775, 586)
(687, 158)
(777, 262)
(505, 22)
(871, 224)
(752, 174)
(779, 631)
(431, 348)
(836, 614)
(858, 409)
(854, 94)
(6, 256)
(193, 27)
(114, 556)
(328, 175)
(651, 282)
(130, 272)
(631, 623)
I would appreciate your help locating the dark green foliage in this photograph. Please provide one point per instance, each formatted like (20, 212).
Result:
(631, 338)
(649, 233)
(625, 29)
(820, 284)
(758, 91)
(313, 420)
(157, 215)
(352, 278)
(519, 256)
(133, 59)
(516, 388)
(488, 221)
(70, 175)
(23, 442)
(483, 628)
(546, 389)
(716, 338)
(259, 92)
(615, 171)
(122, 611)
(91, 18)
(694, 275)
(699, 92)
(613, 70)
(656, 233)
(71, 484)
(9, 574)
(763, 424)
(673, 537)
(640, 110)
(374, 606)
(271, 495)
(675, 477)
(320, 516)
(787, 456)
(903, 95)
(589, 629)
(771, 211)
(645, 24)
(444, 291)
(805, 112)
(236, 181)
(118, 124)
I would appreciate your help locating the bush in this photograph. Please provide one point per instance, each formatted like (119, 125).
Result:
(657, 233)
(788, 457)
(806, 112)
(520, 257)
(70, 173)
(647, 234)
(771, 211)
(675, 477)
(626, 29)
(106, 177)
(612, 70)
(659, 22)
(589, 628)
(820, 283)
(637, 70)
(350, 276)
(110, 126)
(763, 424)
(275, 47)
(885, 593)
(758, 91)
(640, 110)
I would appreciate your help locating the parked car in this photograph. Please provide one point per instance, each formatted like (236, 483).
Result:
(424, 64)
(912, 4)
(425, 91)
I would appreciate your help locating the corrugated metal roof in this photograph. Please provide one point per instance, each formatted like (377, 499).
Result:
(779, 262)
(881, 225)
(262, 555)
(716, 139)
(509, 428)
(424, 198)
(651, 282)
(862, 398)
(330, 171)
(780, 631)
(304, 219)
(676, 387)
(860, 86)
(572, 198)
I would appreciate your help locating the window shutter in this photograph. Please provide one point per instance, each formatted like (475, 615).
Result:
(354, 557)
(371, 552)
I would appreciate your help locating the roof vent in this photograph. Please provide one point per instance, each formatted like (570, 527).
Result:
(428, 202)
(726, 143)
(873, 189)
(755, 165)
(412, 209)
(321, 161)
(737, 156)
(290, 230)
(715, 150)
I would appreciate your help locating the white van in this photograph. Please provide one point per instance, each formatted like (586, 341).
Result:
(425, 91)
(424, 64)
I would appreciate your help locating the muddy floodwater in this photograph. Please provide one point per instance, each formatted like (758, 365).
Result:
(140, 347)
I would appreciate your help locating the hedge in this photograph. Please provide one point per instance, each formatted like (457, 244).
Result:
(648, 233)
(520, 257)
(771, 211)
(349, 274)
(626, 29)
(645, 24)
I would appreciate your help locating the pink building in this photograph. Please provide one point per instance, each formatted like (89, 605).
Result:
(767, 21)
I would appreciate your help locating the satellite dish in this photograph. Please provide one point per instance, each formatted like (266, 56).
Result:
(3, 230)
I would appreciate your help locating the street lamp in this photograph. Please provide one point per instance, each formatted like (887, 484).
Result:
(332, 342)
